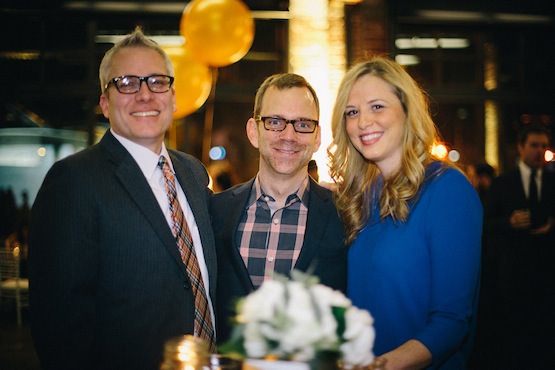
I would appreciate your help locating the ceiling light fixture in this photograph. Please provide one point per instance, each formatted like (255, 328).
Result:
(431, 43)
(156, 7)
(468, 16)
(406, 59)
(167, 40)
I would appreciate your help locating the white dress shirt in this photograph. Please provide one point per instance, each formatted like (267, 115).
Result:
(525, 173)
(148, 163)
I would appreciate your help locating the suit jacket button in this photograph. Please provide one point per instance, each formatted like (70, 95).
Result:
(186, 285)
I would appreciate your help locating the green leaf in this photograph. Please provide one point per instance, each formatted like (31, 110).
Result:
(234, 346)
(339, 314)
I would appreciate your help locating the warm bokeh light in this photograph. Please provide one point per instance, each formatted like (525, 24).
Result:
(439, 151)
(491, 127)
(491, 107)
(549, 155)
(41, 151)
(317, 52)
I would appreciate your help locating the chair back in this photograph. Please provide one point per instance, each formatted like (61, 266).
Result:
(12, 286)
(9, 264)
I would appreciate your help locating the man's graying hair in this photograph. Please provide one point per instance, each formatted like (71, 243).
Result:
(135, 39)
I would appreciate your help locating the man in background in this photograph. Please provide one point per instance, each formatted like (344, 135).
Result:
(520, 225)
(313, 170)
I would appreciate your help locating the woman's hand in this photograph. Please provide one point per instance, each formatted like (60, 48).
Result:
(411, 355)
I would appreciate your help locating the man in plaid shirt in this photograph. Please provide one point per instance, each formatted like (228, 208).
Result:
(281, 219)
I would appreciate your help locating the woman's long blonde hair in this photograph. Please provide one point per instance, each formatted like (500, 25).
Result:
(355, 176)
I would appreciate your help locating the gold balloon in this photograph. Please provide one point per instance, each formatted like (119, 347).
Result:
(218, 32)
(193, 80)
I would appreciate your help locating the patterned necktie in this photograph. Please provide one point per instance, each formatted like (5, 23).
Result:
(533, 200)
(182, 234)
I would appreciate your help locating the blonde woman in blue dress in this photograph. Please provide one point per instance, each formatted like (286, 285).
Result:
(413, 222)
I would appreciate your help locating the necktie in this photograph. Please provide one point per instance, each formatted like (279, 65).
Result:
(203, 320)
(533, 199)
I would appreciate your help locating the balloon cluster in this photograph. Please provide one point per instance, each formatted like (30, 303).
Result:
(217, 33)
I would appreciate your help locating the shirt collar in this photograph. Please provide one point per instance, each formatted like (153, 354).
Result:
(146, 159)
(525, 170)
(257, 193)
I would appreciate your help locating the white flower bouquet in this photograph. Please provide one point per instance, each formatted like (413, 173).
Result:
(299, 319)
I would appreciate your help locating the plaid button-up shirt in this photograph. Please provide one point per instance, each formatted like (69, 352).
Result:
(269, 239)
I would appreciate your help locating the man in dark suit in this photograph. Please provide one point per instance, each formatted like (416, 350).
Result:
(520, 225)
(281, 219)
(108, 285)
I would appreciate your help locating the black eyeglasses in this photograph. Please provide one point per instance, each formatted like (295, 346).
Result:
(302, 125)
(132, 84)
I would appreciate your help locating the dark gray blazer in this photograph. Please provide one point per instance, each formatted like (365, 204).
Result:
(108, 286)
(323, 251)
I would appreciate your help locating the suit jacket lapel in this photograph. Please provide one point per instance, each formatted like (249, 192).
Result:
(239, 199)
(318, 217)
(315, 226)
(133, 181)
(519, 187)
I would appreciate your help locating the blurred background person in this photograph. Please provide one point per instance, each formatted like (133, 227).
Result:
(486, 350)
(8, 216)
(481, 176)
(222, 175)
(520, 224)
(313, 170)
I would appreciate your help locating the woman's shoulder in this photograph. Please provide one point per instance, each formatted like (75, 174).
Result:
(441, 172)
(449, 192)
(450, 181)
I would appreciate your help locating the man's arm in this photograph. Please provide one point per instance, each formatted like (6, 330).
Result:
(63, 271)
